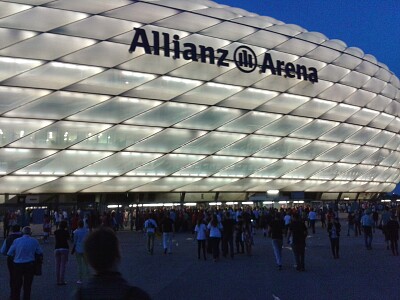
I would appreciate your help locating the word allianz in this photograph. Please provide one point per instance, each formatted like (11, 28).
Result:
(192, 52)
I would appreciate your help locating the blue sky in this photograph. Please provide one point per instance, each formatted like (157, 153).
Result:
(371, 25)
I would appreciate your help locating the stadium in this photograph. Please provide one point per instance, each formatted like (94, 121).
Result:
(187, 101)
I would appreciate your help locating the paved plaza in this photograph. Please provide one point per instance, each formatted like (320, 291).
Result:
(358, 274)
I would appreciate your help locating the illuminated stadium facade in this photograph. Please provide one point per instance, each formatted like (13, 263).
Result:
(176, 97)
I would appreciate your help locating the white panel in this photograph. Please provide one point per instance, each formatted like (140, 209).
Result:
(166, 165)
(211, 118)
(249, 98)
(284, 103)
(265, 39)
(379, 103)
(209, 93)
(337, 92)
(117, 164)
(46, 46)
(296, 46)
(188, 22)
(314, 108)
(284, 126)
(164, 88)
(332, 73)
(167, 114)
(116, 138)
(53, 75)
(88, 6)
(97, 27)
(314, 129)
(277, 184)
(363, 135)
(70, 184)
(282, 148)
(381, 139)
(41, 19)
(167, 184)
(119, 184)
(359, 155)
(60, 135)
(312, 150)
(377, 157)
(245, 184)
(12, 159)
(374, 85)
(210, 143)
(99, 55)
(12, 36)
(363, 116)
(245, 167)
(355, 79)
(208, 166)
(207, 184)
(340, 132)
(332, 171)
(112, 82)
(305, 171)
(12, 97)
(249, 145)
(115, 110)
(360, 98)
(228, 30)
(57, 105)
(310, 89)
(15, 129)
(337, 152)
(63, 162)
(340, 112)
(19, 184)
(166, 140)
(13, 66)
(279, 168)
(249, 122)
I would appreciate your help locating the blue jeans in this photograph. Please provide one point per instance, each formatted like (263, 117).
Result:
(277, 246)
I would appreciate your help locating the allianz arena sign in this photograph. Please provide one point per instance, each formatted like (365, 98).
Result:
(245, 59)
(121, 96)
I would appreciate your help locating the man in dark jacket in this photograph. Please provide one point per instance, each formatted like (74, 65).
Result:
(103, 255)
(298, 231)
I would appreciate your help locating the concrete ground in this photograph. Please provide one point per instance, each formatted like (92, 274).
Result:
(358, 274)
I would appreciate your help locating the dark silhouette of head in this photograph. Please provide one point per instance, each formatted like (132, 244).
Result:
(102, 250)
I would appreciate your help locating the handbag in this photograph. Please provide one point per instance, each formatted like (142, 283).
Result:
(37, 265)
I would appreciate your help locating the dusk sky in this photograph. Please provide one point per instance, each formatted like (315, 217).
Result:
(371, 25)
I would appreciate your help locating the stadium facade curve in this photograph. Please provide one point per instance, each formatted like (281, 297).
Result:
(178, 96)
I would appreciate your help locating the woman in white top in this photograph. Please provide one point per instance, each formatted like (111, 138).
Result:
(215, 229)
(200, 230)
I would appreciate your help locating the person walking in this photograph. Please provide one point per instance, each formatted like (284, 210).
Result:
(103, 254)
(392, 228)
(15, 234)
(201, 236)
(227, 235)
(298, 232)
(77, 249)
(239, 235)
(23, 251)
(214, 228)
(150, 226)
(312, 217)
(61, 251)
(168, 229)
(276, 227)
(334, 228)
(367, 223)
(385, 218)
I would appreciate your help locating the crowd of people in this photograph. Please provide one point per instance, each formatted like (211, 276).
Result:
(227, 231)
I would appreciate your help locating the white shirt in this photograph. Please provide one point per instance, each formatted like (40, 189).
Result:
(201, 231)
(215, 231)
